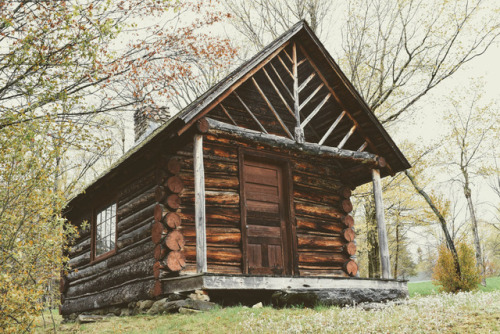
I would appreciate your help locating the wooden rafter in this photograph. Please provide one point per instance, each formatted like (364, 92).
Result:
(287, 55)
(332, 127)
(272, 108)
(250, 112)
(304, 84)
(346, 137)
(315, 111)
(279, 93)
(207, 108)
(337, 99)
(299, 132)
(285, 67)
(368, 159)
(302, 62)
(309, 98)
(362, 147)
(227, 114)
(281, 80)
(287, 106)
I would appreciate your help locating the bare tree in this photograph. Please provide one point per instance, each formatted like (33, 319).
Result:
(261, 21)
(394, 52)
(473, 126)
(398, 51)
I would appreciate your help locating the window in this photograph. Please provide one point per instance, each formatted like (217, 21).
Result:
(105, 231)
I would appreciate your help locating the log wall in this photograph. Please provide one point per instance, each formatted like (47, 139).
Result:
(156, 236)
(324, 234)
(222, 198)
(127, 275)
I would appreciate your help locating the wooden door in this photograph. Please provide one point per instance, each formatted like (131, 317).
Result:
(264, 220)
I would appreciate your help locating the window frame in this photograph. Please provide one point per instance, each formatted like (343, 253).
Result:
(96, 211)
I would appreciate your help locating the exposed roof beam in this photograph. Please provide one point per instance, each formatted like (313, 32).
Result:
(250, 112)
(278, 92)
(346, 137)
(315, 111)
(272, 108)
(364, 158)
(304, 84)
(227, 88)
(299, 132)
(337, 99)
(227, 114)
(287, 55)
(284, 65)
(311, 96)
(362, 147)
(331, 128)
(281, 80)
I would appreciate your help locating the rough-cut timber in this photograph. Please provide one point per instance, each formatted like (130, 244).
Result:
(248, 188)
(309, 148)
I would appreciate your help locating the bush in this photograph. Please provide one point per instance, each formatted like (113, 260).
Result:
(446, 275)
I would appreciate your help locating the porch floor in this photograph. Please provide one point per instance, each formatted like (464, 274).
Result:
(327, 290)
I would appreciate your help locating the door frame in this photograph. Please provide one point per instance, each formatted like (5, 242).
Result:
(290, 260)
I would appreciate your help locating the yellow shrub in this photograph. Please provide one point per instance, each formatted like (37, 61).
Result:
(445, 273)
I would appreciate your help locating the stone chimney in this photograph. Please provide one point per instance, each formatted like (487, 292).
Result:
(147, 119)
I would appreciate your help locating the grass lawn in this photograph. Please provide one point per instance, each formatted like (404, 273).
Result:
(472, 312)
(427, 288)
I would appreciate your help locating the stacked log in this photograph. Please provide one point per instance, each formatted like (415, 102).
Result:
(321, 205)
(350, 266)
(90, 280)
(222, 207)
(166, 233)
(325, 235)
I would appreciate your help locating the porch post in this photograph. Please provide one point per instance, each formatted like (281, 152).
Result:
(200, 218)
(382, 233)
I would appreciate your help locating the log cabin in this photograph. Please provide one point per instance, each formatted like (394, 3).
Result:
(247, 188)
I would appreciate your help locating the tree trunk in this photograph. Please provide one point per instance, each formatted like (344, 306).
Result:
(475, 233)
(372, 240)
(442, 221)
(396, 255)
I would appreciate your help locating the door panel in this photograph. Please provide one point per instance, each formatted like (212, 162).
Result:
(265, 218)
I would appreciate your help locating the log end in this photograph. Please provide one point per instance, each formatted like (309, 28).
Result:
(158, 212)
(160, 193)
(157, 289)
(176, 261)
(348, 234)
(63, 284)
(173, 201)
(347, 220)
(157, 269)
(160, 252)
(350, 248)
(381, 162)
(175, 240)
(351, 268)
(346, 192)
(347, 206)
(157, 232)
(172, 220)
(202, 125)
(174, 184)
(174, 166)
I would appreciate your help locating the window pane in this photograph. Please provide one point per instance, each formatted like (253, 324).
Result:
(105, 230)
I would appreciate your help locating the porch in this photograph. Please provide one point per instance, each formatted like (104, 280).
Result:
(246, 289)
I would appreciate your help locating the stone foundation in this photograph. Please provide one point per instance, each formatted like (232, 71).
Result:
(202, 292)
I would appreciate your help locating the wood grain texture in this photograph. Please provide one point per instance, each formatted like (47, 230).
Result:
(382, 232)
(200, 213)
(175, 240)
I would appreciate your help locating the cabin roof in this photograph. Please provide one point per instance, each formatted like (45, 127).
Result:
(382, 143)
